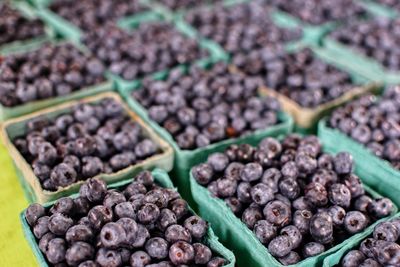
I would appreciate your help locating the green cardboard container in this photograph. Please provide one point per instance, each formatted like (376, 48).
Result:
(28, 12)
(334, 259)
(23, 109)
(216, 53)
(358, 62)
(306, 119)
(161, 178)
(241, 240)
(375, 172)
(185, 159)
(31, 184)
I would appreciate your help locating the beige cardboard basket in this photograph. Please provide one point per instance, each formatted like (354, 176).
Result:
(307, 118)
(33, 189)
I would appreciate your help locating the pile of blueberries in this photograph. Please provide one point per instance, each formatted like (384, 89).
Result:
(242, 28)
(152, 47)
(318, 12)
(88, 15)
(89, 140)
(207, 106)
(142, 224)
(14, 27)
(50, 71)
(373, 38)
(373, 122)
(300, 76)
(186, 4)
(298, 200)
(381, 249)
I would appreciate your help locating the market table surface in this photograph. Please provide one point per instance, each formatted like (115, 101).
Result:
(14, 250)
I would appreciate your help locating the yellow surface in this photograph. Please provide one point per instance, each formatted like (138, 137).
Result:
(14, 250)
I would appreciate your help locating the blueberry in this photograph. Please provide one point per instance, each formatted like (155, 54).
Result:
(226, 187)
(321, 227)
(339, 195)
(63, 175)
(157, 197)
(47, 153)
(216, 262)
(277, 213)
(289, 170)
(73, 161)
(362, 203)
(108, 258)
(131, 229)
(167, 218)
(353, 258)
(140, 259)
(301, 219)
(381, 207)
(176, 233)
(179, 207)
(291, 258)
(99, 216)
(264, 231)
(145, 148)
(280, 246)
(289, 188)
(79, 252)
(354, 184)
(203, 173)
(79, 233)
(337, 214)
(33, 213)
(113, 198)
(56, 250)
(125, 210)
(141, 236)
(59, 223)
(181, 253)
(112, 235)
(313, 249)
(196, 226)
(370, 263)
(305, 163)
(44, 242)
(389, 254)
(234, 204)
(144, 177)
(148, 214)
(202, 253)
(343, 163)
(92, 166)
(294, 234)
(386, 231)
(251, 216)
(251, 172)
(94, 190)
(261, 194)
(218, 161)
(271, 146)
(355, 222)
(316, 194)
(271, 177)
(244, 192)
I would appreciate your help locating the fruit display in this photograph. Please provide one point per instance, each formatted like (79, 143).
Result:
(140, 127)
(89, 15)
(373, 38)
(372, 122)
(380, 249)
(48, 72)
(152, 47)
(298, 200)
(242, 28)
(15, 27)
(89, 140)
(141, 224)
(207, 106)
(301, 75)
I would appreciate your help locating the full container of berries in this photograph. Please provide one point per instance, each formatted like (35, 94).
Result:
(368, 45)
(47, 74)
(376, 247)
(55, 149)
(185, 119)
(297, 204)
(368, 129)
(21, 28)
(308, 83)
(146, 243)
(159, 44)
